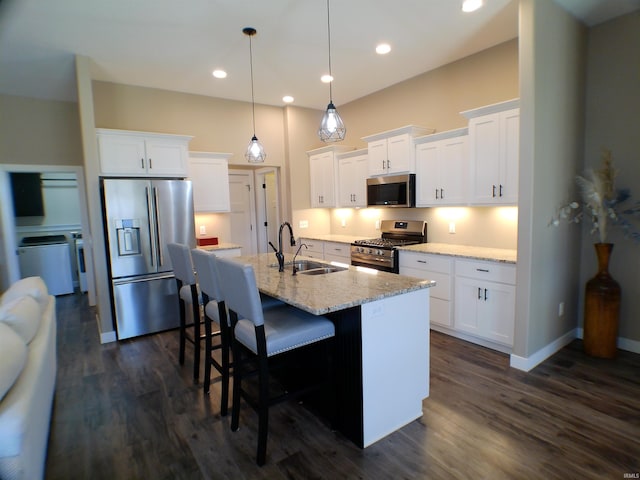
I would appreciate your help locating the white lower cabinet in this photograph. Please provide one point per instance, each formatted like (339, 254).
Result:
(472, 299)
(485, 300)
(438, 268)
(337, 252)
(315, 248)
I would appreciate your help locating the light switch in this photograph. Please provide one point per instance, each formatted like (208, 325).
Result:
(203, 230)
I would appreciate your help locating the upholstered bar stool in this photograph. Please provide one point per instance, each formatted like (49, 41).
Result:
(214, 313)
(263, 333)
(187, 295)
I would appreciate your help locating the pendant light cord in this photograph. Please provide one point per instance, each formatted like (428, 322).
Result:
(329, 36)
(253, 103)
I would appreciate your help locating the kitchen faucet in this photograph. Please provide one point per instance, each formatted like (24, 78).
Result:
(279, 254)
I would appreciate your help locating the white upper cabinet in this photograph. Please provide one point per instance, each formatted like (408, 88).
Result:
(209, 175)
(353, 169)
(323, 173)
(494, 151)
(442, 162)
(142, 154)
(393, 151)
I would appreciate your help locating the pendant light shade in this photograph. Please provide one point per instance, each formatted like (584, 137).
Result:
(255, 151)
(332, 127)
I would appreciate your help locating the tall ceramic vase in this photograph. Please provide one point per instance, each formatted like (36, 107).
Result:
(601, 308)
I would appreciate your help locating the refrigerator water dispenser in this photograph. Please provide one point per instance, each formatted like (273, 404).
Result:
(128, 233)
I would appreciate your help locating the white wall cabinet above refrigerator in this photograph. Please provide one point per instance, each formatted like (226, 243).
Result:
(393, 151)
(494, 133)
(323, 175)
(353, 169)
(142, 154)
(209, 175)
(442, 161)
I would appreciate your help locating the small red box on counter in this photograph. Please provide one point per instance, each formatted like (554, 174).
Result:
(206, 241)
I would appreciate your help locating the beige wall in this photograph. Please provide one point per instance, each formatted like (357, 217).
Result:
(436, 98)
(217, 125)
(612, 120)
(39, 132)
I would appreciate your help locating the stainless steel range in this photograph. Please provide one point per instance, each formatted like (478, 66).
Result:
(382, 253)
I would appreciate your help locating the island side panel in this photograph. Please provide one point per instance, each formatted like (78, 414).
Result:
(395, 362)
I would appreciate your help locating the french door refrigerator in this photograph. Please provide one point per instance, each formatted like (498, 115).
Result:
(142, 216)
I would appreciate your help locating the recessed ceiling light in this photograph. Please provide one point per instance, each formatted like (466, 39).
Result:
(287, 99)
(326, 78)
(471, 5)
(383, 49)
(219, 74)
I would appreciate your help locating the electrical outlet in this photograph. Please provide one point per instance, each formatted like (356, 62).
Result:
(203, 230)
(303, 224)
(561, 309)
(377, 224)
(452, 227)
(343, 223)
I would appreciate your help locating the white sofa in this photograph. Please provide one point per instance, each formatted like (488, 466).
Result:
(27, 378)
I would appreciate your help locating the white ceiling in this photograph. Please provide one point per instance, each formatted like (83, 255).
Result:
(175, 45)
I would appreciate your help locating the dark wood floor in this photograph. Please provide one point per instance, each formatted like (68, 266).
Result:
(127, 410)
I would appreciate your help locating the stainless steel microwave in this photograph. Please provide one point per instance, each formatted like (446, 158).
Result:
(392, 191)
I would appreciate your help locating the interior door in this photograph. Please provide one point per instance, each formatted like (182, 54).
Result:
(243, 216)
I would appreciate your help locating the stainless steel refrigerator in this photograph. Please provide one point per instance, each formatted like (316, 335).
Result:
(141, 217)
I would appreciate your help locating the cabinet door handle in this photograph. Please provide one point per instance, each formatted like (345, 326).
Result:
(150, 164)
(441, 193)
(142, 163)
(383, 164)
(479, 293)
(501, 190)
(421, 261)
(388, 164)
(482, 270)
(485, 294)
(436, 194)
(494, 192)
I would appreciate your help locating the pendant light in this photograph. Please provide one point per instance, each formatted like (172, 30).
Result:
(332, 128)
(255, 150)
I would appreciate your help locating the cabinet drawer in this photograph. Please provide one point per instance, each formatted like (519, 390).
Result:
(337, 249)
(492, 271)
(423, 261)
(315, 248)
(441, 290)
(440, 312)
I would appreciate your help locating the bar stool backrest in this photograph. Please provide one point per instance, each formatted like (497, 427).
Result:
(182, 264)
(207, 277)
(240, 290)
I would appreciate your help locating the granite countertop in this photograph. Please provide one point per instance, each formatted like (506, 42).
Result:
(331, 292)
(220, 246)
(466, 251)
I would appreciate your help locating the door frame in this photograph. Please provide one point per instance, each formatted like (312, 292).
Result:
(260, 174)
(7, 221)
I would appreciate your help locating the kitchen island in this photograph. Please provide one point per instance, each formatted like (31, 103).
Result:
(381, 357)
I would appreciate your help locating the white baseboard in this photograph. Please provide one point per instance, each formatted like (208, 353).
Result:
(528, 363)
(627, 344)
(106, 337)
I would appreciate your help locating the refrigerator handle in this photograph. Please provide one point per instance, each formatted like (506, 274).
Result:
(146, 191)
(158, 228)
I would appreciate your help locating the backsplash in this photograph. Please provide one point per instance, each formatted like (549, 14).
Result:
(495, 227)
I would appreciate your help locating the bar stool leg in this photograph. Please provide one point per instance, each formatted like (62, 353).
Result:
(226, 366)
(237, 375)
(263, 401)
(183, 326)
(195, 307)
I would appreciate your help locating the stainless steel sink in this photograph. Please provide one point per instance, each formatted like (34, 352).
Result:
(321, 270)
(309, 267)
